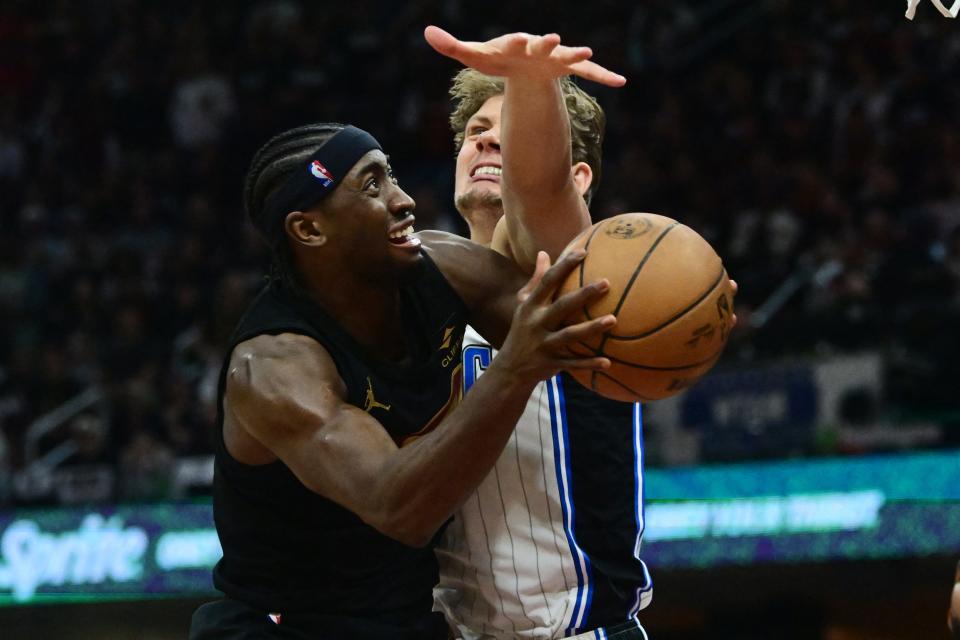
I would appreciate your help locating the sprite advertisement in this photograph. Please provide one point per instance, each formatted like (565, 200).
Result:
(892, 506)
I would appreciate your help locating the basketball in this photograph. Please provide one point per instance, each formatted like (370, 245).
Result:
(672, 299)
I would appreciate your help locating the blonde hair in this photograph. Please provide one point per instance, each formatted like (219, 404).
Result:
(471, 89)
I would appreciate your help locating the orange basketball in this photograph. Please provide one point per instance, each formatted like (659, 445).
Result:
(672, 299)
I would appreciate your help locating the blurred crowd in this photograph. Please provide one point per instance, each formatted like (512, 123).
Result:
(816, 147)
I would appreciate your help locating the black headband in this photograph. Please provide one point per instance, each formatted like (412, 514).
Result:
(319, 176)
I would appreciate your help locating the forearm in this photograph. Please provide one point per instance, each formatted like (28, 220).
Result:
(426, 481)
(543, 209)
(535, 134)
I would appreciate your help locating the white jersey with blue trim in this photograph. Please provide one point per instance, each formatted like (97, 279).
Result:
(520, 560)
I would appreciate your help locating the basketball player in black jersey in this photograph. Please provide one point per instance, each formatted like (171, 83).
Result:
(343, 450)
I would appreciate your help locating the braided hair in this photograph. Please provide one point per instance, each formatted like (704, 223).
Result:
(270, 167)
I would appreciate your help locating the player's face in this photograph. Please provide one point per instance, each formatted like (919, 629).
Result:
(478, 162)
(371, 217)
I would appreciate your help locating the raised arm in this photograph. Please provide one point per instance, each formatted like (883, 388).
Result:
(543, 207)
(542, 201)
(286, 393)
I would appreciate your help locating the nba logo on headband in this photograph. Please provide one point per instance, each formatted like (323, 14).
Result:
(947, 13)
(304, 189)
(320, 172)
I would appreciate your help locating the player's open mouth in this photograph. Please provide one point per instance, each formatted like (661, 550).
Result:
(487, 172)
(401, 234)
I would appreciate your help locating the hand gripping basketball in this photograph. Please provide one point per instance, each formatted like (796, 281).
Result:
(539, 341)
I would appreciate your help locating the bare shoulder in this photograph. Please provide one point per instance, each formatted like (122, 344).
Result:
(444, 246)
(267, 367)
(472, 269)
(276, 346)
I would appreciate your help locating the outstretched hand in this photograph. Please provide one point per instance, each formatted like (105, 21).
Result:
(523, 55)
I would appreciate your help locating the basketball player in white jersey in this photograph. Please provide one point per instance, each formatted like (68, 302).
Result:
(548, 546)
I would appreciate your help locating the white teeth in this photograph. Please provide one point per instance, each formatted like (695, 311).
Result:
(489, 171)
(406, 231)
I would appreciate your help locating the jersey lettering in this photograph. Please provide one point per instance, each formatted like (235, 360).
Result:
(476, 359)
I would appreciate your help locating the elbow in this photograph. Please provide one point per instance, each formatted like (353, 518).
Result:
(412, 537)
(406, 526)
(410, 515)
(408, 531)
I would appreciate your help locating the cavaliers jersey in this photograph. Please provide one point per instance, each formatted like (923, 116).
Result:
(287, 549)
(549, 544)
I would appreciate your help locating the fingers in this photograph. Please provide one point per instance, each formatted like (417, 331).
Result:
(572, 55)
(593, 364)
(581, 332)
(543, 263)
(548, 46)
(516, 52)
(595, 73)
(555, 275)
(564, 306)
(441, 41)
(516, 43)
(470, 54)
(544, 45)
(734, 288)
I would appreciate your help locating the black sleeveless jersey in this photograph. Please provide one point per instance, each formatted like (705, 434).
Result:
(287, 549)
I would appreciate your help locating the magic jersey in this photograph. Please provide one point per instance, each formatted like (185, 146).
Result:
(549, 544)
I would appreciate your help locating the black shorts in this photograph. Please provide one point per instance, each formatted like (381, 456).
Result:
(229, 619)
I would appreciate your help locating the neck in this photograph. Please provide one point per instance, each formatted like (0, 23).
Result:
(482, 232)
(481, 217)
